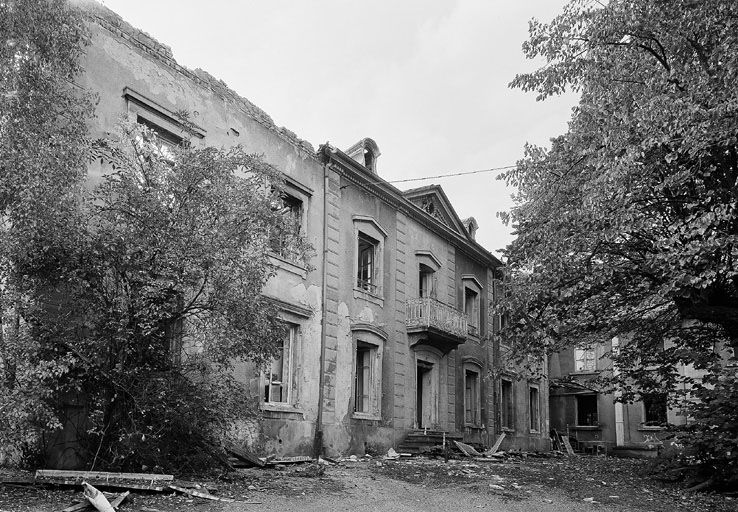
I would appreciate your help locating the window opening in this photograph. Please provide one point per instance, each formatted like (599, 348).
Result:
(471, 309)
(426, 280)
(365, 278)
(277, 379)
(363, 376)
(587, 411)
(283, 241)
(472, 406)
(585, 360)
(535, 409)
(654, 409)
(507, 404)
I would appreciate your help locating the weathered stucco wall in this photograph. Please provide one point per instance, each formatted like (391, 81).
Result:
(121, 57)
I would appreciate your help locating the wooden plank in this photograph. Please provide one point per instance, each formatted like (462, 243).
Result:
(291, 460)
(144, 481)
(119, 499)
(567, 444)
(199, 494)
(497, 444)
(245, 455)
(467, 450)
(83, 505)
(103, 475)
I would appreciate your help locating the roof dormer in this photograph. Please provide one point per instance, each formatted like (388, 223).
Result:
(366, 153)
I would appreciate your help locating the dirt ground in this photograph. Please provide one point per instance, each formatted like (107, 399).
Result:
(417, 484)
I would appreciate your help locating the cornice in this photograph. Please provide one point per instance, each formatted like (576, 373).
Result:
(354, 172)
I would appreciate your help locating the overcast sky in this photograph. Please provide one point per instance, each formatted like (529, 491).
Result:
(427, 80)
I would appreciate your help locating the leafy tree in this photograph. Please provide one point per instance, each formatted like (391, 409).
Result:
(43, 160)
(160, 295)
(130, 303)
(627, 225)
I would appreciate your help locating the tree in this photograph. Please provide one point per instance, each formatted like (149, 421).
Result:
(627, 225)
(43, 159)
(131, 303)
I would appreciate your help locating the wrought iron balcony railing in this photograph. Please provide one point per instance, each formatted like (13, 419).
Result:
(431, 314)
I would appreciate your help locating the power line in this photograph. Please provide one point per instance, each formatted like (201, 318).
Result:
(493, 169)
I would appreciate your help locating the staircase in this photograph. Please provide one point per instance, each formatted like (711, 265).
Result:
(419, 441)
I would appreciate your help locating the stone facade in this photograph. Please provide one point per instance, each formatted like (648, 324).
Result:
(392, 328)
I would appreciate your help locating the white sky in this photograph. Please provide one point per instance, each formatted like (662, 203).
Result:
(427, 80)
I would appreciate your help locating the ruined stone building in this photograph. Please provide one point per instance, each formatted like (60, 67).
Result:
(392, 331)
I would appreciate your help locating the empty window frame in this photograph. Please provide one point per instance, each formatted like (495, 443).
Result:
(507, 419)
(534, 409)
(426, 281)
(587, 415)
(654, 409)
(585, 360)
(471, 309)
(278, 377)
(283, 241)
(366, 275)
(367, 380)
(472, 398)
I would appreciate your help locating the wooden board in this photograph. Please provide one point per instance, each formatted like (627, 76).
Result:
(103, 475)
(143, 481)
(567, 444)
(245, 455)
(200, 494)
(291, 460)
(497, 444)
(467, 450)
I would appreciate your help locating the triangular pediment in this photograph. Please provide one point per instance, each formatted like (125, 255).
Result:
(433, 200)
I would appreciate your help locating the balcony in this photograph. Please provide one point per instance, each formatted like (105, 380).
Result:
(434, 323)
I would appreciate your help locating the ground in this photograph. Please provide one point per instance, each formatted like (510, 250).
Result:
(419, 484)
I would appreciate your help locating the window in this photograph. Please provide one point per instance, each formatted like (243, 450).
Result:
(362, 394)
(278, 377)
(587, 411)
(426, 281)
(585, 360)
(367, 377)
(282, 241)
(507, 420)
(366, 278)
(472, 398)
(654, 409)
(168, 128)
(534, 406)
(471, 309)
(370, 238)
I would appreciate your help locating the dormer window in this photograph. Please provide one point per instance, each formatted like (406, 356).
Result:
(366, 153)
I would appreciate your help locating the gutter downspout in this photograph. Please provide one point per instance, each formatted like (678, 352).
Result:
(318, 441)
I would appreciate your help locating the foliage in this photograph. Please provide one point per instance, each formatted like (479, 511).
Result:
(126, 308)
(158, 298)
(706, 449)
(43, 159)
(627, 225)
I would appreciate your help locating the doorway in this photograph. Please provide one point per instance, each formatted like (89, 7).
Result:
(425, 396)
